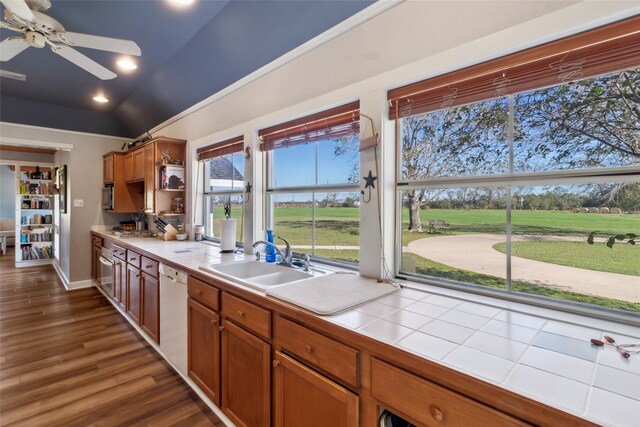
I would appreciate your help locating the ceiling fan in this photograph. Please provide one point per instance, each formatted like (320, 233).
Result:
(39, 30)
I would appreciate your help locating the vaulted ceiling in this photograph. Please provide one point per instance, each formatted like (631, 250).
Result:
(188, 54)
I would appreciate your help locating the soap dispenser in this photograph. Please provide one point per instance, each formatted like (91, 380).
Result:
(270, 252)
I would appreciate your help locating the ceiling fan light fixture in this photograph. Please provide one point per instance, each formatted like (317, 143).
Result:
(100, 99)
(127, 64)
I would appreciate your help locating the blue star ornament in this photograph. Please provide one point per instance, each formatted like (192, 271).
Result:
(369, 180)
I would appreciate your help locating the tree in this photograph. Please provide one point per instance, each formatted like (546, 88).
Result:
(459, 141)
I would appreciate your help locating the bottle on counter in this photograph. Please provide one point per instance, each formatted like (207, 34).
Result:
(270, 252)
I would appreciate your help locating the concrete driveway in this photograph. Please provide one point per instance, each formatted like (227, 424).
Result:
(474, 252)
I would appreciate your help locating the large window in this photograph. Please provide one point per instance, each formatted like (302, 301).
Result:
(521, 191)
(312, 183)
(223, 183)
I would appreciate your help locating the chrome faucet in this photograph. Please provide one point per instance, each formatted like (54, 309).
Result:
(286, 256)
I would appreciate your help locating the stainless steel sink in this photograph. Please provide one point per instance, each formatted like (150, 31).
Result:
(256, 274)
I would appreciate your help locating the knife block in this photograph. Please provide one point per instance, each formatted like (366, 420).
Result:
(170, 233)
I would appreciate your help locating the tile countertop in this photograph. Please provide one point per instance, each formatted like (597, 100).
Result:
(536, 352)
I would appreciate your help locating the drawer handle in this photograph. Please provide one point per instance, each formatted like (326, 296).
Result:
(241, 314)
(133, 258)
(436, 413)
(148, 266)
(308, 348)
(275, 363)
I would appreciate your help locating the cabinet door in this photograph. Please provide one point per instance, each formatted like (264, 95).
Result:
(95, 262)
(107, 163)
(150, 320)
(128, 167)
(138, 164)
(149, 178)
(204, 349)
(117, 280)
(246, 377)
(133, 294)
(124, 285)
(304, 397)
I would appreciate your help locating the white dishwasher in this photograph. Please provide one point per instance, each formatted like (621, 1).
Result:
(173, 316)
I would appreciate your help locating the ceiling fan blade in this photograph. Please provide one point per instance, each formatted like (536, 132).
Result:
(20, 9)
(11, 47)
(84, 62)
(102, 43)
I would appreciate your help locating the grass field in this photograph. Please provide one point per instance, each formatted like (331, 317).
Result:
(621, 258)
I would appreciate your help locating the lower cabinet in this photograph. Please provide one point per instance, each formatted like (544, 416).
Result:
(150, 319)
(303, 397)
(204, 349)
(246, 377)
(119, 280)
(133, 293)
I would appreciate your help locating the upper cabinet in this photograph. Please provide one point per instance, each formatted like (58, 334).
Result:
(108, 168)
(150, 177)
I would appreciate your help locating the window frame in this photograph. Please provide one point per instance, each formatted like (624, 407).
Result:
(271, 191)
(630, 173)
(219, 193)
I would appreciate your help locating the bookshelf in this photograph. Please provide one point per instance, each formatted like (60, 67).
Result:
(35, 233)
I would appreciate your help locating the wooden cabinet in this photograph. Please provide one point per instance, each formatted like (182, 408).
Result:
(95, 260)
(107, 169)
(119, 282)
(426, 403)
(204, 349)
(128, 167)
(138, 164)
(134, 306)
(303, 397)
(149, 178)
(246, 314)
(246, 377)
(150, 320)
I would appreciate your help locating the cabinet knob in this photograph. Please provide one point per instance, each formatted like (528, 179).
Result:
(275, 363)
(221, 328)
(436, 413)
(214, 322)
(240, 313)
(308, 348)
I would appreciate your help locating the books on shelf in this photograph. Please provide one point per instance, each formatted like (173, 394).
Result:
(36, 219)
(36, 203)
(172, 178)
(36, 235)
(42, 188)
(30, 253)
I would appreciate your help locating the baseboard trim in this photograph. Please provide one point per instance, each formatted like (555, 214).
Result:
(80, 284)
(61, 275)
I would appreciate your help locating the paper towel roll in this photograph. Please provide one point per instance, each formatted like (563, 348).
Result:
(228, 234)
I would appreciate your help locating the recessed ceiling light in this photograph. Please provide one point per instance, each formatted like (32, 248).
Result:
(127, 64)
(101, 99)
(181, 3)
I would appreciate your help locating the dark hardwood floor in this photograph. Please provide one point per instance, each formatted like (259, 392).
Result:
(69, 358)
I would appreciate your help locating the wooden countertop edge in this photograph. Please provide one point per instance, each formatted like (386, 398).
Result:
(491, 395)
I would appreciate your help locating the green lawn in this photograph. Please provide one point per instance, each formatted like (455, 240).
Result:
(622, 258)
(431, 268)
(549, 223)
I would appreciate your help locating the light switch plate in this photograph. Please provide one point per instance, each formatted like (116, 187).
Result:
(78, 203)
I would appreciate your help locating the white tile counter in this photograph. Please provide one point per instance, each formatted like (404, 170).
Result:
(540, 353)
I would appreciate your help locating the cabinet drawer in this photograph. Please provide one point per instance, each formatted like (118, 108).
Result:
(246, 314)
(133, 258)
(119, 252)
(149, 266)
(325, 353)
(203, 293)
(427, 403)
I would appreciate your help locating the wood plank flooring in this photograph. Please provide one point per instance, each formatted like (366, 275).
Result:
(69, 358)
